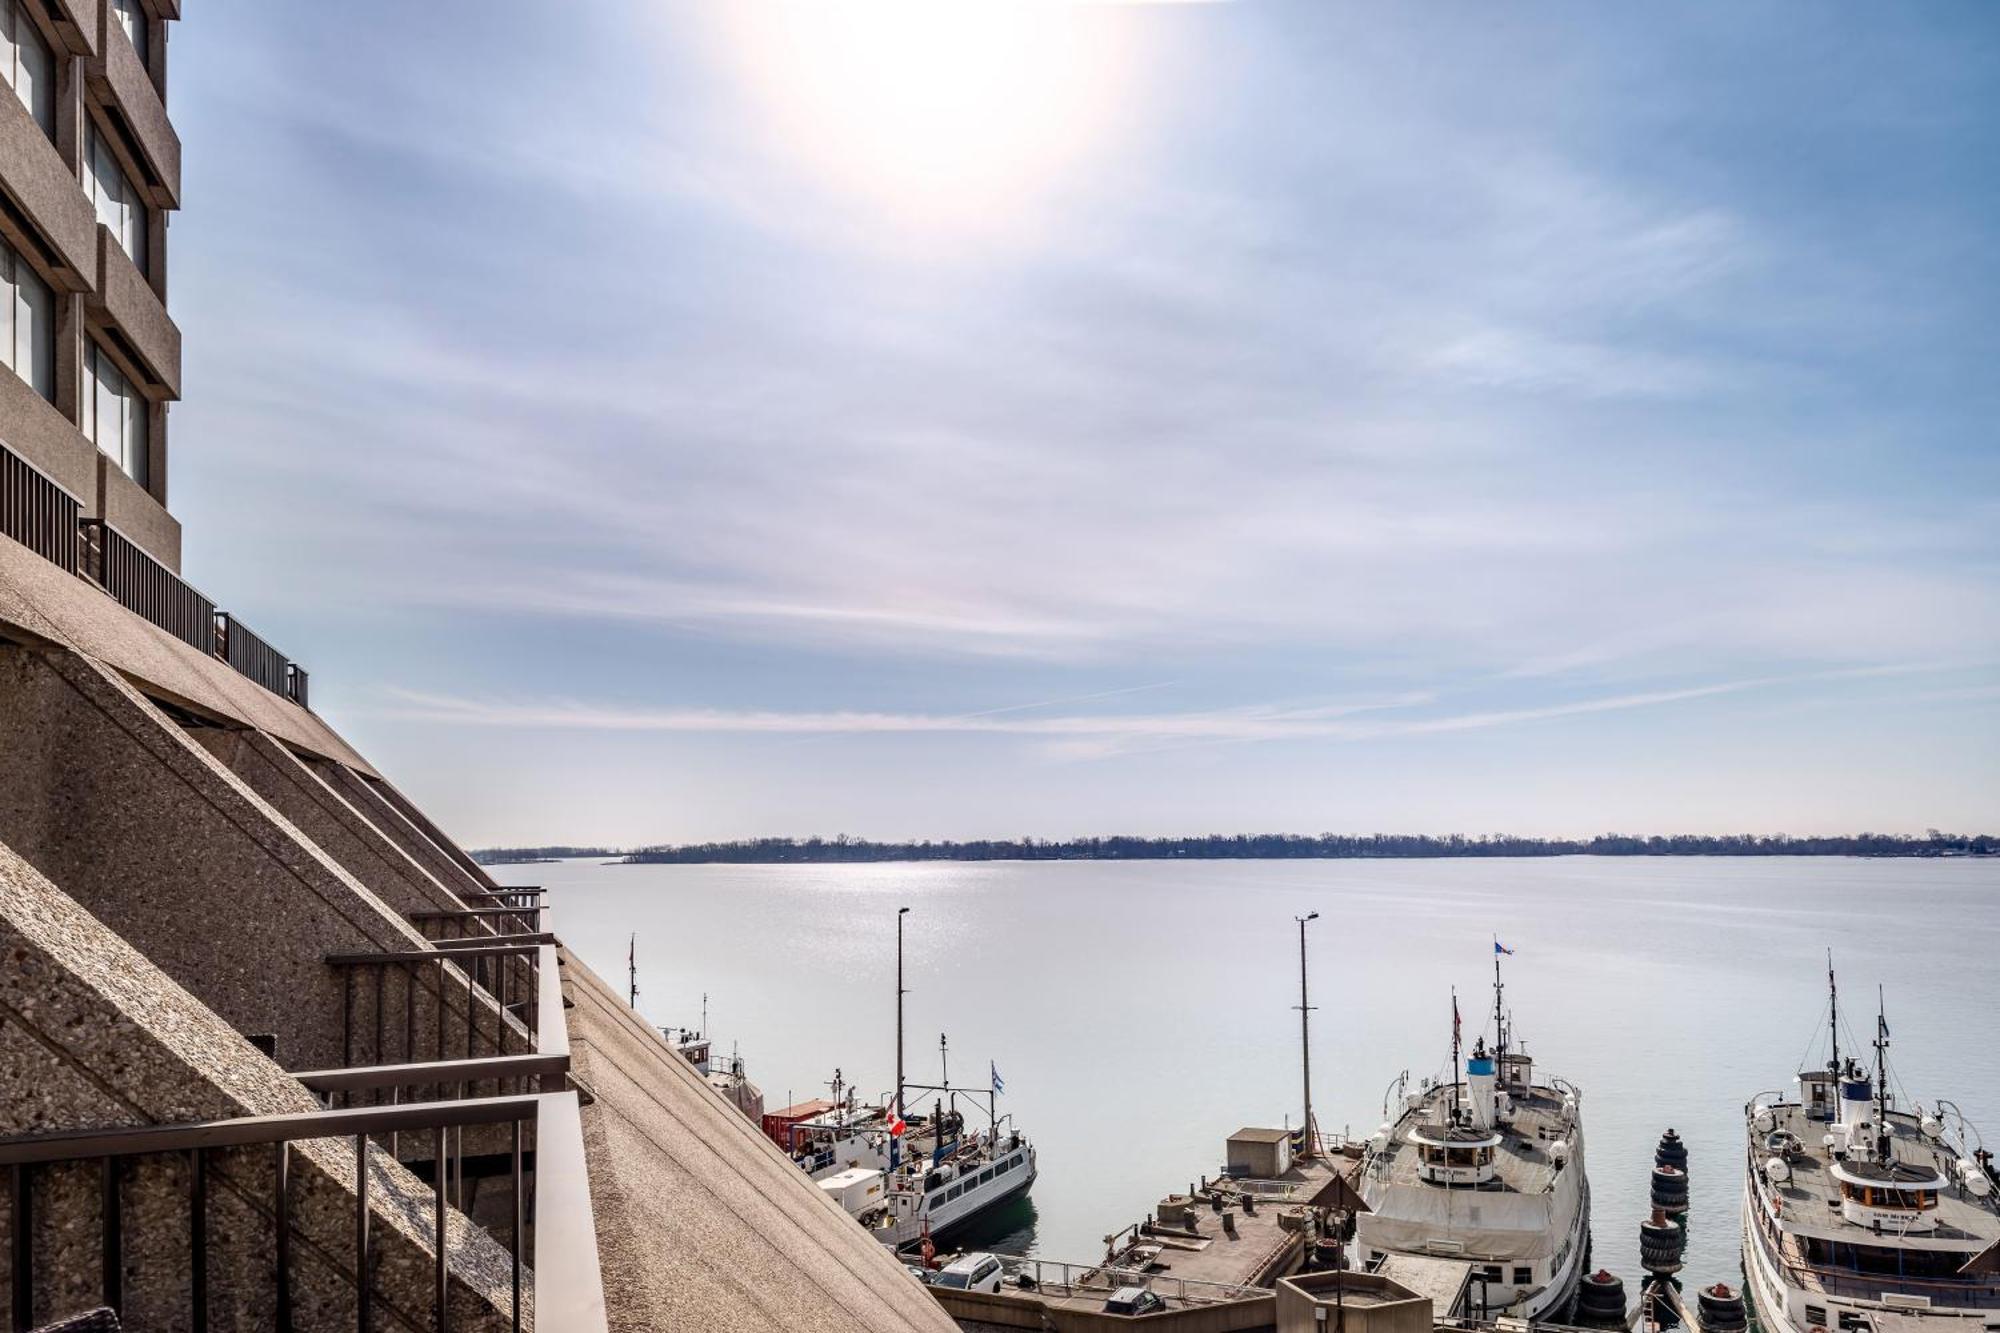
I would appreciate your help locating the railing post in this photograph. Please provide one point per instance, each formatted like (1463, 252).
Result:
(114, 1239)
(282, 1211)
(361, 1310)
(437, 1202)
(198, 1235)
(22, 1227)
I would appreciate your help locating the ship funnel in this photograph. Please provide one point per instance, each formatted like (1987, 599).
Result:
(1479, 1083)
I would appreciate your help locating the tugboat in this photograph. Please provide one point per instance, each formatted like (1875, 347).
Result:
(1861, 1216)
(1484, 1171)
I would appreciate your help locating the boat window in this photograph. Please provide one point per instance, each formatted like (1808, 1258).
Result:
(954, 1192)
(1852, 1321)
(1816, 1314)
(986, 1175)
(1523, 1275)
(1491, 1273)
(1003, 1166)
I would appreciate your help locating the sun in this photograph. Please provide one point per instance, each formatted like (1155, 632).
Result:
(935, 109)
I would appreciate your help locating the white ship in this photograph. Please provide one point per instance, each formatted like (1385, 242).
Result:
(1863, 1216)
(939, 1174)
(1485, 1170)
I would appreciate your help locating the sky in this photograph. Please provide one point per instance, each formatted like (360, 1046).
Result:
(654, 422)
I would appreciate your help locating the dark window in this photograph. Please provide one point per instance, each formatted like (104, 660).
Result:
(1523, 1276)
(986, 1175)
(1492, 1273)
(1816, 1315)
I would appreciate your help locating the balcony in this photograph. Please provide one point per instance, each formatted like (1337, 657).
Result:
(38, 513)
(148, 589)
(137, 319)
(120, 84)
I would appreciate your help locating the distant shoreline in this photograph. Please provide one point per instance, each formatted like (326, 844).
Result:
(1255, 847)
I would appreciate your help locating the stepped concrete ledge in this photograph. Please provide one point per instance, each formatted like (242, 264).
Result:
(92, 1035)
(299, 792)
(40, 602)
(367, 797)
(110, 798)
(701, 1221)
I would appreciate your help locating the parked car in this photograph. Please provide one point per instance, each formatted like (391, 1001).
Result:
(970, 1272)
(1133, 1300)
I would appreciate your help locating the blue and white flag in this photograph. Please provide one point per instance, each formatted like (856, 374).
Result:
(999, 1084)
(1499, 948)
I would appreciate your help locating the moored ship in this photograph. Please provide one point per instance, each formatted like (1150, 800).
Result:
(1485, 1171)
(1863, 1216)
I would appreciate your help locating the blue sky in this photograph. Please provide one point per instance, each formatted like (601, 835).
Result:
(684, 421)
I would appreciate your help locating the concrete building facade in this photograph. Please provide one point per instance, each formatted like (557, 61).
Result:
(275, 1053)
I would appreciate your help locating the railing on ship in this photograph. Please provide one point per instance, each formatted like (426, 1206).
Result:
(423, 1101)
(37, 512)
(1974, 1292)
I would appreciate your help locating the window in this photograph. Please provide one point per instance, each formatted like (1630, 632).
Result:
(27, 323)
(119, 206)
(986, 1175)
(1816, 1314)
(27, 64)
(1002, 1167)
(953, 1192)
(1523, 1275)
(114, 413)
(132, 18)
(1491, 1273)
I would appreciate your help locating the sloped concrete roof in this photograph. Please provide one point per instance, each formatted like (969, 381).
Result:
(701, 1221)
(40, 601)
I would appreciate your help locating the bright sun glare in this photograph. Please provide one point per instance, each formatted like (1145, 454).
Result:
(942, 110)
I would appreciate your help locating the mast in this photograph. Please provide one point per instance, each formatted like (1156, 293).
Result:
(1305, 1038)
(1499, 1019)
(1833, 1022)
(1881, 1078)
(1455, 1061)
(901, 912)
(632, 972)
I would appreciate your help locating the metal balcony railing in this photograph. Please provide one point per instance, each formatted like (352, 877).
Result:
(147, 588)
(240, 646)
(37, 512)
(424, 1100)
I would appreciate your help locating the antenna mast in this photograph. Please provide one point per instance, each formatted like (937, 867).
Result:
(632, 972)
(1833, 1021)
(1455, 1061)
(901, 912)
(1881, 1078)
(1305, 1040)
(1499, 1023)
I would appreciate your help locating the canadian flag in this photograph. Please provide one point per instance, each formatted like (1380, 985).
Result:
(896, 1126)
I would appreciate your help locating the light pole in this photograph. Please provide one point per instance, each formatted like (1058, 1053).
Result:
(901, 912)
(1305, 1036)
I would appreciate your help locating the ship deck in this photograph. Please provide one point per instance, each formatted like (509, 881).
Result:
(1812, 1196)
(1521, 1164)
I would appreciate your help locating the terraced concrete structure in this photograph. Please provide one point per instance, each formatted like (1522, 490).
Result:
(274, 1052)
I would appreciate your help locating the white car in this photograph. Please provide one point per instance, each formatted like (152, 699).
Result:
(970, 1272)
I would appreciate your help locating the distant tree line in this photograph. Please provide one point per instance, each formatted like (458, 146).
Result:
(500, 856)
(1294, 846)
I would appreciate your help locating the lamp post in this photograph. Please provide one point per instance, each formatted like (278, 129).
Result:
(1305, 1037)
(901, 912)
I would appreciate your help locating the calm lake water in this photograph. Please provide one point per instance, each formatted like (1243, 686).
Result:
(1140, 1012)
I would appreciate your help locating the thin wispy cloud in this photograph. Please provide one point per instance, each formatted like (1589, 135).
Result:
(1537, 366)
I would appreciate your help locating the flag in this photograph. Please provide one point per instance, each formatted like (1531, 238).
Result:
(896, 1126)
(999, 1084)
(1454, 1018)
(1499, 948)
